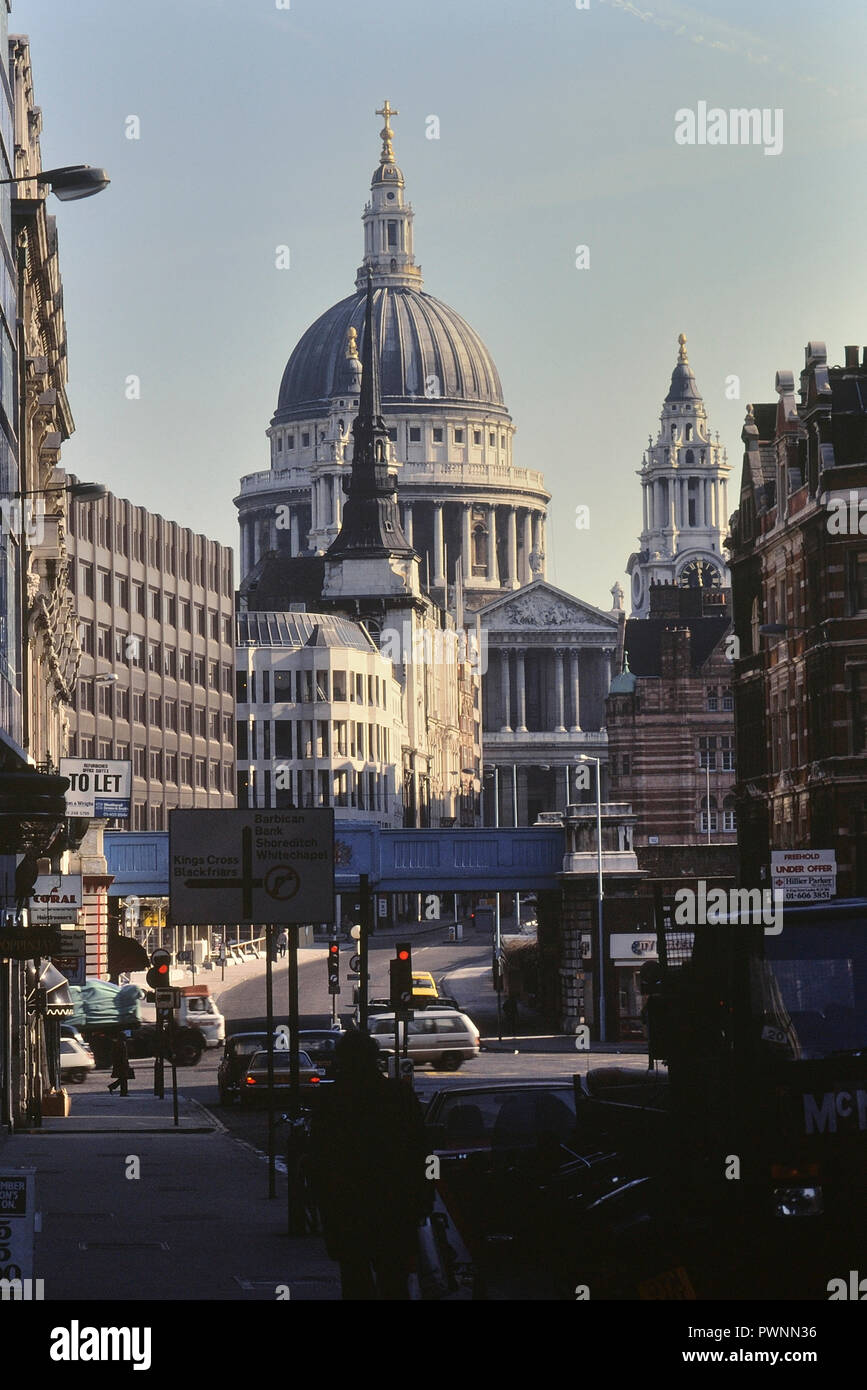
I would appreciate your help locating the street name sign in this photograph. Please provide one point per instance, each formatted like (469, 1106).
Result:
(244, 868)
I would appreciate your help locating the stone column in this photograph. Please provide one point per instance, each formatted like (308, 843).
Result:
(521, 682)
(294, 531)
(505, 691)
(560, 675)
(527, 541)
(512, 548)
(439, 578)
(338, 502)
(492, 543)
(644, 506)
(537, 531)
(575, 727)
(606, 675)
(671, 486)
(407, 521)
(467, 540)
(705, 489)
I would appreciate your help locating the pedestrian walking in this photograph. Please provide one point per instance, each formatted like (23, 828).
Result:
(120, 1067)
(368, 1159)
(282, 944)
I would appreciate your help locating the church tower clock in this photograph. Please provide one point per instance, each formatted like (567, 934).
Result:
(685, 509)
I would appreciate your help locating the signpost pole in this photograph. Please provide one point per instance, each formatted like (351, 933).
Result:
(364, 925)
(174, 1077)
(269, 1011)
(294, 1025)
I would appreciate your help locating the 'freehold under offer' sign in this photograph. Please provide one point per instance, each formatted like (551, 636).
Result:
(804, 875)
(97, 788)
(251, 867)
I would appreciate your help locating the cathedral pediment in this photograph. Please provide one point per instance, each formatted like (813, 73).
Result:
(542, 606)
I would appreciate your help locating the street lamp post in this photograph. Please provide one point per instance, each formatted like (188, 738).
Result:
(600, 933)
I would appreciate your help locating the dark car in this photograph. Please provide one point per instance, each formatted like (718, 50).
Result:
(320, 1045)
(237, 1051)
(254, 1079)
(240, 1047)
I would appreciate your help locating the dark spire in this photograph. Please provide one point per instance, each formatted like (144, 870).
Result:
(371, 517)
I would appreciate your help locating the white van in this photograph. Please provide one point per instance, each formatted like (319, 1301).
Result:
(197, 1010)
(443, 1037)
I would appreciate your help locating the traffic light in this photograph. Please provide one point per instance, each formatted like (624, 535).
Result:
(333, 968)
(401, 976)
(158, 975)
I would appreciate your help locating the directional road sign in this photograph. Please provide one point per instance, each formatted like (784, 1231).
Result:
(248, 867)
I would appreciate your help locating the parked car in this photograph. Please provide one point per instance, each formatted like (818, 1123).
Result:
(254, 1082)
(76, 1060)
(532, 1184)
(69, 1030)
(443, 1037)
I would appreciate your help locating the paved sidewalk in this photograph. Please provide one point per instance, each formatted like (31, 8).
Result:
(133, 1209)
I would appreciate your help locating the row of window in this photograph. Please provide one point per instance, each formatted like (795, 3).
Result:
(147, 816)
(175, 769)
(131, 650)
(709, 816)
(166, 608)
(305, 687)
(714, 702)
(413, 436)
(708, 749)
(187, 558)
(710, 746)
(159, 713)
(363, 791)
(308, 738)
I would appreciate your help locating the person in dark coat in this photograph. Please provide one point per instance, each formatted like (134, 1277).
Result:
(120, 1067)
(368, 1154)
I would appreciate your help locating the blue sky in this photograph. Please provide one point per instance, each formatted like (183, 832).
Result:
(556, 129)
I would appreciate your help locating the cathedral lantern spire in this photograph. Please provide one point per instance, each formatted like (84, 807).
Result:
(371, 517)
(387, 221)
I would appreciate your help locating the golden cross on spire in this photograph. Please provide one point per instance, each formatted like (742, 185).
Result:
(681, 356)
(386, 134)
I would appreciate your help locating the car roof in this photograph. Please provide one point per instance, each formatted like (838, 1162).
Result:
(263, 1052)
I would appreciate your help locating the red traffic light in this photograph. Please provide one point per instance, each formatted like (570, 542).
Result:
(334, 950)
(403, 953)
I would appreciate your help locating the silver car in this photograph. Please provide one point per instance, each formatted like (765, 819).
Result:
(443, 1037)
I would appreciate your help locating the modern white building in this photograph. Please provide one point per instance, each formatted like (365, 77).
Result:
(319, 717)
(685, 506)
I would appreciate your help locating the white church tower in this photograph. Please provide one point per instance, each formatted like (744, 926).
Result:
(685, 507)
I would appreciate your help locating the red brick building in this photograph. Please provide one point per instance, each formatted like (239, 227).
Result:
(671, 736)
(798, 548)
